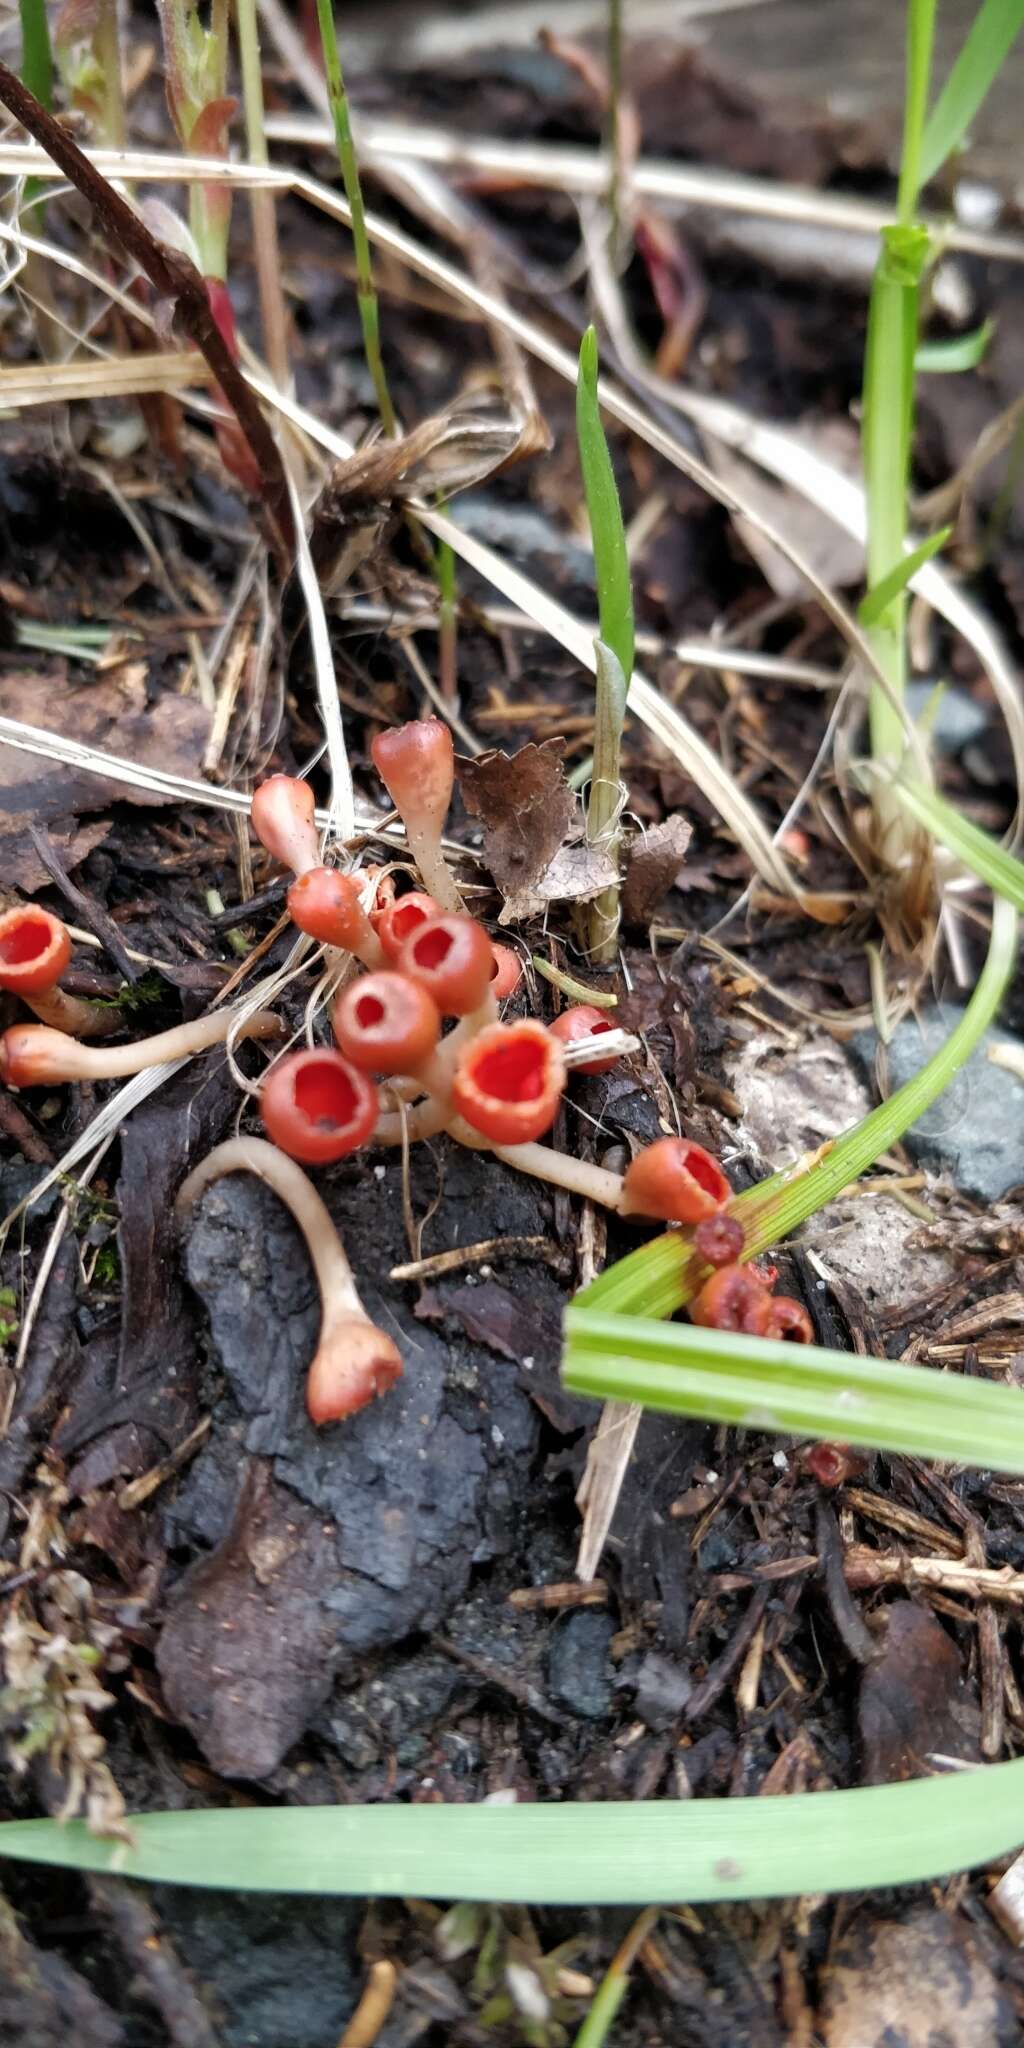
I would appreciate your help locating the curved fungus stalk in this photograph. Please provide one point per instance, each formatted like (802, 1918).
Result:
(328, 905)
(354, 1362)
(35, 948)
(34, 1056)
(416, 763)
(284, 821)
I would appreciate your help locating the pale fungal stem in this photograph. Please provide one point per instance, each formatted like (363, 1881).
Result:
(56, 1057)
(77, 1019)
(354, 1360)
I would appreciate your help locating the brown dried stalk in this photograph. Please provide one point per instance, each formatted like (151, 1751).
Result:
(172, 277)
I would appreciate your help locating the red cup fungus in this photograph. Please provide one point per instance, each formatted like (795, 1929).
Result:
(451, 958)
(329, 906)
(416, 764)
(718, 1239)
(789, 1320)
(386, 1024)
(396, 921)
(508, 1081)
(283, 819)
(506, 972)
(578, 1024)
(317, 1106)
(676, 1180)
(733, 1299)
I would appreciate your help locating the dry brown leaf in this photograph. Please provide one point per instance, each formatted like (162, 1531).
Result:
(914, 1981)
(113, 713)
(525, 807)
(652, 864)
(577, 874)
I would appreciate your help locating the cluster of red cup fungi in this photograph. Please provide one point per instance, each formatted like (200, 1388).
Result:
(424, 962)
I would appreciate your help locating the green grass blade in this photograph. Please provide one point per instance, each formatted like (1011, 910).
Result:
(366, 296)
(611, 561)
(1003, 872)
(794, 1389)
(636, 1852)
(881, 594)
(36, 53)
(987, 44)
(960, 352)
(663, 1275)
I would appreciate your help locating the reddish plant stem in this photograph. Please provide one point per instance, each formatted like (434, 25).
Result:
(173, 277)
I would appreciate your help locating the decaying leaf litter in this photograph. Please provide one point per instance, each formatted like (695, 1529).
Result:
(392, 1612)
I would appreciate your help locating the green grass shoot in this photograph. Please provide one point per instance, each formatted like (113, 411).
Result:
(955, 352)
(615, 644)
(643, 1852)
(987, 45)
(880, 596)
(796, 1390)
(369, 312)
(978, 851)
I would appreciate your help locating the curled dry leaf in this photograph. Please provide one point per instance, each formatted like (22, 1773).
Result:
(169, 734)
(526, 809)
(652, 863)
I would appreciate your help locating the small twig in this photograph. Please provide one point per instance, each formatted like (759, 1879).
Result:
(87, 908)
(172, 277)
(716, 1679)
(857, 1638)
(460, 1256)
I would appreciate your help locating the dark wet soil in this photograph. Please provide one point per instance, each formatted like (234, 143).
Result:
(360, 1614)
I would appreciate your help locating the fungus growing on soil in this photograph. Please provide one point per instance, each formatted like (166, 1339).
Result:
(789, 1320)
(416, 763)
(397, 920)
(578, 1024)
(733, 1299)
(35, 948)
(354, 1362)
(317, 1106)
(386, 1024)
(34, 1056)
(718, 1239)
(451, 957)
(675, 1180)
(506, 972)
(329, 906)
(508, 1081)
(283, 819)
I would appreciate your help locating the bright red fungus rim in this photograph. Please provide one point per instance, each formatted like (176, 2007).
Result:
(34, 949)
(514, 1072)
(317, 1106)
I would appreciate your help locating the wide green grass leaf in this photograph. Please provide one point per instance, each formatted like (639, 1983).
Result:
(794, 1389)
(633, 1852)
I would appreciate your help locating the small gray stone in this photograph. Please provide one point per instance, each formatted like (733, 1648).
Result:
(579, 1676)
(958, 719)
(974, 1131)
